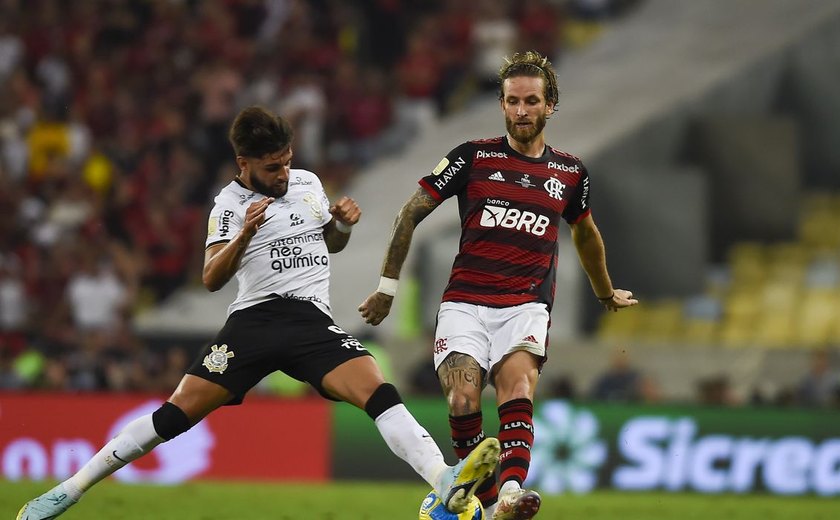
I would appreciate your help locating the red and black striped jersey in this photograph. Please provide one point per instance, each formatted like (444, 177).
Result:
(510, 207)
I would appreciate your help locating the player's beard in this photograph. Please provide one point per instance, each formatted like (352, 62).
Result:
(525, 135)
(269, 190)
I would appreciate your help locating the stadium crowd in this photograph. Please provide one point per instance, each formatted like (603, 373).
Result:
(113, 138)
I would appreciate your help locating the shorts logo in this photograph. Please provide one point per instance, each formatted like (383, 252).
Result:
(440, 345)
(530, 339)
(217, 359)
(352, 343)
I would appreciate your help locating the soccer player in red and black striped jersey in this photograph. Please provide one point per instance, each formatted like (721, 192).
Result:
(493, 322)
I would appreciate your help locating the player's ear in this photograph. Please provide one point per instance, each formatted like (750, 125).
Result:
(242, 164)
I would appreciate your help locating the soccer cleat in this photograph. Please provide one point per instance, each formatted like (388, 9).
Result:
(47, 506)
(459, 482)
(520, 504)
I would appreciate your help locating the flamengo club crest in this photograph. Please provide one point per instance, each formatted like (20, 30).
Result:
(217, 359)
(554, 188)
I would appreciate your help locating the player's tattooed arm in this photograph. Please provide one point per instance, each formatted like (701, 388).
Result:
(461, 372)
(418, 207)
(377, 306)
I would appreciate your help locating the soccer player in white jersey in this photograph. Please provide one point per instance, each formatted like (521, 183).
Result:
(274, 228)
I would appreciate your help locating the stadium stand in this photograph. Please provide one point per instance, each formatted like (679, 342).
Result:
(670, 105)
(113, 120)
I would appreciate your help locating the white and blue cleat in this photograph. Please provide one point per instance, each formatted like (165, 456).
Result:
(47, 506)
(459, 483)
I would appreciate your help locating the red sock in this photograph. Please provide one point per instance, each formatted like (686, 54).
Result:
(467, 433)
(516, 435)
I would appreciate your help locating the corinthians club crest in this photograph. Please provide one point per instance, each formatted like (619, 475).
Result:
(217, 359)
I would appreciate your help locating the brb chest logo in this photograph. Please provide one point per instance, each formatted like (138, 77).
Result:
(497, 213)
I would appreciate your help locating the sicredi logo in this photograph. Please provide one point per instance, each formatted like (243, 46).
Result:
(660, 452)
(664, 452)
(512, 218)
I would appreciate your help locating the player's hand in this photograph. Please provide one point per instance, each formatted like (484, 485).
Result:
(346, 210)
(620, 299)
(255, 216)
(376, 307)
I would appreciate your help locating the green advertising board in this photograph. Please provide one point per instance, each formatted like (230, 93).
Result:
(580, 447)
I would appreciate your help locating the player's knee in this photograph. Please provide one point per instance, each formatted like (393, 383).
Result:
(170, 421)
(463, 401)
(384, 397)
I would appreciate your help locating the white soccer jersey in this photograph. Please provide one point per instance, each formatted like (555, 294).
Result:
(287, 257)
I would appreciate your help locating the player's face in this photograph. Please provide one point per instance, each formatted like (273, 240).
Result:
(525, 107)
(268, 175)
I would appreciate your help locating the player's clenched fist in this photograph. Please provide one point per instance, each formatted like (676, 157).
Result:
(376, 307)
(346, 210)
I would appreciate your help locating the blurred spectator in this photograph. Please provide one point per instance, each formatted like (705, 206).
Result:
(14, 308)
(97, 298)
(423, 380)
(419, 75)
(820, 386)
(365, 119)
(540, 26)
(562, 387)
(305, 106)
(623, 383)
(494, 37)
(715, 391)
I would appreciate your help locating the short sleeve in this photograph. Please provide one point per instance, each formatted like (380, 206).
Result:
(224, 223)
(450, 175)
(578, 206)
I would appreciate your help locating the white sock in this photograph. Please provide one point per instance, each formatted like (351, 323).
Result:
(137, 438)
(412, 443)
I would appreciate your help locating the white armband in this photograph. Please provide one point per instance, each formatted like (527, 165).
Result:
(387, 286)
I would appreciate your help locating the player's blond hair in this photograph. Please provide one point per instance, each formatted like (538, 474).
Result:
(534, 64)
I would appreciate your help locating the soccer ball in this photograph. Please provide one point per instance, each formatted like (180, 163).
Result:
(433, 509)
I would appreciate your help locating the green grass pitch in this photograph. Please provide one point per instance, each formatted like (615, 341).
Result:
(379, 501)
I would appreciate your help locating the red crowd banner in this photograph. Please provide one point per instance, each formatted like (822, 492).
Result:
(49, 436)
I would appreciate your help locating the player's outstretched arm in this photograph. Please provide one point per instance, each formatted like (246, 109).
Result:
(377, 306)
(592, 254)
(222, 260)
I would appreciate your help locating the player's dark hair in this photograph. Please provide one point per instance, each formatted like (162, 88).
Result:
(533, 64)
(256, 132)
